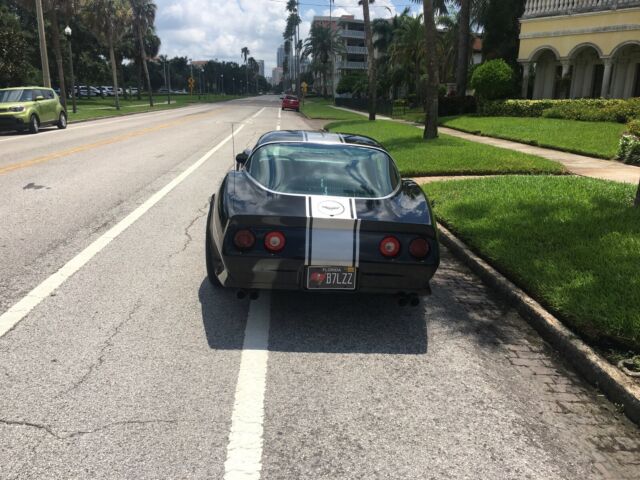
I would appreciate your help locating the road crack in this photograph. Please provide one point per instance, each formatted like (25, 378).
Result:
(103, 351)
(202, 211)
(78, 433)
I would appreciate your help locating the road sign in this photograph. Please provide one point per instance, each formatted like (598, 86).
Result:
(191, 83)
(304, 87)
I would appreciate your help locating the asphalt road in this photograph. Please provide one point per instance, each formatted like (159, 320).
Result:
(131, 366)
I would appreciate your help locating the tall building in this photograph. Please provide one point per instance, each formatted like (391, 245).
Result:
(276, 76)
(261, 67)
(580, 48)
(280, 56)
(353, 37)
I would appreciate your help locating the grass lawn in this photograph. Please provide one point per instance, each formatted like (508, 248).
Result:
(596, 139)
(573, 243)
(92, 108)
(319, 108)
(445, 155)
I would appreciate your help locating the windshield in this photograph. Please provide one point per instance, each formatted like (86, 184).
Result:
(316, 169)
(7, 96)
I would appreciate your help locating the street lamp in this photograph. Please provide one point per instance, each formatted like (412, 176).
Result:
(222, 83)
(67, 33)
(233, 85)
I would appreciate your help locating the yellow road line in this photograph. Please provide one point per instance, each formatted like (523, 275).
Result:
(107, 141)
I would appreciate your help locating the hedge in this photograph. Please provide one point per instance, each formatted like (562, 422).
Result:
(586, 109)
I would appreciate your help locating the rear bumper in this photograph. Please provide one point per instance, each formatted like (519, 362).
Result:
(287, 274)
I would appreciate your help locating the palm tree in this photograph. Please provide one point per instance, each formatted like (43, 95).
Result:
(322, 44)
(144, 15)
(51, 8)
(371, 64)
(109, 21)
(408, 50)
(464, 41)
(244, 53)
(291, 33)
(433, 81)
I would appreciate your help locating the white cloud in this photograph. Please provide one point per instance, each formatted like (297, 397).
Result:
(207, 29)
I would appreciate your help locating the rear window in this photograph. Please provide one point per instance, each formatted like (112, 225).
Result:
(329, 169)
(289, 97)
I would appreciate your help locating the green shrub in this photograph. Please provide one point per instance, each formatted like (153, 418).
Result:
(585, 109)
(514, 108)
(629, 149)
(493, 80)
(633, 127)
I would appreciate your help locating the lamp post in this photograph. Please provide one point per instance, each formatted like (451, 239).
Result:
(222, 83)
(67, 33)
(233, 85)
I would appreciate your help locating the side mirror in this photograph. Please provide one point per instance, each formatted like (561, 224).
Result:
(242, 158)
(38, 98)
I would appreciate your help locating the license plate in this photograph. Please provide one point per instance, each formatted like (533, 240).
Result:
(331, 278)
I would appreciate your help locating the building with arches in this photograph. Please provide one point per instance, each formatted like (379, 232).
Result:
(580, 49)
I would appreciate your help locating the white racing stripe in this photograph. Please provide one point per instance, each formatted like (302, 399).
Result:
(21, 309)
(333, 231)
(244, 450)
(279, 118)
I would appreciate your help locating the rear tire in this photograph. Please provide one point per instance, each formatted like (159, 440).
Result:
(62, 121)
(34, 124)
(211, 250)
(297, 109)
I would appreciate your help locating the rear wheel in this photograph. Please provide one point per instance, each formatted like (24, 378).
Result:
(62, 121)
(212, 255)
(297, 109)
(34, 124)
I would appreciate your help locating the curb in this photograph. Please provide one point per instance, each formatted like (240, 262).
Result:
(595, 369)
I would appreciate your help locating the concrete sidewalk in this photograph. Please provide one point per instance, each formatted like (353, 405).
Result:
(576, 164)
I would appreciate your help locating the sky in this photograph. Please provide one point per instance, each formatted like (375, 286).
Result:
(218, 29)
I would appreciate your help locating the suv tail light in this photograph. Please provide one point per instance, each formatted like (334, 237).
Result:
(274, 241)
(244, 239)
(419, 248)
(390, 246)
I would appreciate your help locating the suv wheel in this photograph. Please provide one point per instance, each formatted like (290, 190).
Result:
(62, 121)
(34, 124)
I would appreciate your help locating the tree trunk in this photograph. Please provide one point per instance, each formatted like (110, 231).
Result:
(462, 69)
(57, 50)
(433, 82)
(114, 74)
(373, 91)
(139, 79)
(636, 202)
(143, 58)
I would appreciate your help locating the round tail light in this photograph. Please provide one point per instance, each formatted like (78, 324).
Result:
(419, 248)
(244, 239)
(390, 246)
(274, 241)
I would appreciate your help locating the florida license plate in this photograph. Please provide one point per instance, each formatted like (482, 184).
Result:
(331, 278)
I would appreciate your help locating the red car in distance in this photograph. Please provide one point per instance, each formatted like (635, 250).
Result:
(291, 102)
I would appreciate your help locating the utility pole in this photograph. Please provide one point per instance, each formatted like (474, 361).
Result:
(46, 77)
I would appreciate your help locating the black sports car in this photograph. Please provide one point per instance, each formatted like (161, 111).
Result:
(307, 210)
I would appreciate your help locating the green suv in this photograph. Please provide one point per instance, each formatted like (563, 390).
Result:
(27, 108)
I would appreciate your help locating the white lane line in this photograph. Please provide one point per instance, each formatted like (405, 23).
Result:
(244, 450)
(21, 309)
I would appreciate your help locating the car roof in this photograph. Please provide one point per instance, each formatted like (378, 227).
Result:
(26, 88)
(316, 136)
